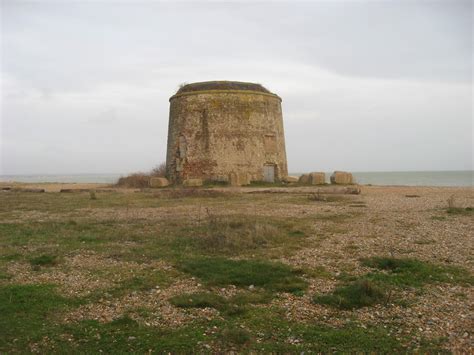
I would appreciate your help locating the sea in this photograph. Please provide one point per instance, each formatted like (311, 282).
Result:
(385, 178)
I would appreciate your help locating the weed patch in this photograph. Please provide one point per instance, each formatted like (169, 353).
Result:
(25, 311)
(241, 234)
(236, 305)
(361, 293)
(406, 272)
(144, 282)
(44, 260)
(125, 335)
(236, 336)
(221, 272)
(468, 211)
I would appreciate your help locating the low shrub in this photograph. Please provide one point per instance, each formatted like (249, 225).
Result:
(361, 293)
(136, 180)
(141, 180)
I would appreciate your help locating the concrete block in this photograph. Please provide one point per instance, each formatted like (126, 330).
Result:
(159, 182)
(317, 178)
(342, 177)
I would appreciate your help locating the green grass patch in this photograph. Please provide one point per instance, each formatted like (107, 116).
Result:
(125, 335)
(143, 282)
(468, 211)
(11, 257)
(319, 272)
(407, 272)
(367, 290)
(236, 336)
(222, 272)
(25, 313)
(234, 306)
(362, 293)
(44, 260)
(313, 337)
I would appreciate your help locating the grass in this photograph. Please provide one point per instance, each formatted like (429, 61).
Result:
(25, 325)
(129, 234)
(266, 184)
(199, 300)
(361, 293)
(467, 211)
(125, 335)
(144, 282)
(408, 272)
(25, 313)
(237, 234)
(313, 337)
(336, 218)
(232, 306)
(236, 336)
(222, 272)
(44, 260)
(368, 290)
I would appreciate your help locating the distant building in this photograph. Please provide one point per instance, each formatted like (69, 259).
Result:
(226, 131)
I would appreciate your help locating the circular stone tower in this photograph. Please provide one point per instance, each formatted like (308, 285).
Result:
(226, 131)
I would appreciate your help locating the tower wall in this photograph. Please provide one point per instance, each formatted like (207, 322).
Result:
(217, 134)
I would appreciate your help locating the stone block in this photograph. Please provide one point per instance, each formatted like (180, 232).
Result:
(192, 182)
(342, 177)
(317, 178)
(159, 182)
(291, 179)
(305, 179)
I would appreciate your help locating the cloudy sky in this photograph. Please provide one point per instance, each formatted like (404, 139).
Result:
(366, 86)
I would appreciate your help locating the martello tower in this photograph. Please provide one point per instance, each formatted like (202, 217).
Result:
(226, 131)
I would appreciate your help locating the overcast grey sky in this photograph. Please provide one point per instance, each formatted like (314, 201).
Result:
(366, 86)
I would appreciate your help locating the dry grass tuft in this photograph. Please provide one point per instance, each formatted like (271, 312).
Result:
(181, 193)
(141, 180)
(234, 234)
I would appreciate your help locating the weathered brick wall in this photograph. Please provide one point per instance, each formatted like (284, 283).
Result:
(213, 134)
